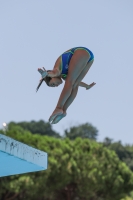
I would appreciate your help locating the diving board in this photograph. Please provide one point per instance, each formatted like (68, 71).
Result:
(19, 158)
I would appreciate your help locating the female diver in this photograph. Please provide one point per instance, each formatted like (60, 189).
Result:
(72, 67)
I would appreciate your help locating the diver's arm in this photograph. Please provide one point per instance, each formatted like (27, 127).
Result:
(53, 73)
(82, 84)
(50, 73)
(56, 72)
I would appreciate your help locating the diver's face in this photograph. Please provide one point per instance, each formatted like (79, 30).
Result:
(55, 82)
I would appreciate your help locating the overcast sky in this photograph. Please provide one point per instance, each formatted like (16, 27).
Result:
(34, 33)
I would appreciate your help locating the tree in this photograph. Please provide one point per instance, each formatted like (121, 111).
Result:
(34, 127)
(125, 153)
(107, 141)
(84, 131)
(128, 197)
(80, 169)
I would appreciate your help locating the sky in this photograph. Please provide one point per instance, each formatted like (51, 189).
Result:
(34, 34)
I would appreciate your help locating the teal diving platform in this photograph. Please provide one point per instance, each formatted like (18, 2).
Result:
(19, 158)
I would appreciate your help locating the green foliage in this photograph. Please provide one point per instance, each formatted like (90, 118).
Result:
(84, 131)
(34, 127)
(77, 169)
(107, 141)
(129, 197)
(125, 153)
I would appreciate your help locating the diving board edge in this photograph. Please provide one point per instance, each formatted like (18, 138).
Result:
(23, 151)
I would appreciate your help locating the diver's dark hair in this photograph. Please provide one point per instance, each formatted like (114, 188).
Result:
(46, 79)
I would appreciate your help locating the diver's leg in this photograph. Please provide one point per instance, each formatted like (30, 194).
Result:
(77, 64)
(73, 94)
(75, 87)
(84, 72)
(67, 104)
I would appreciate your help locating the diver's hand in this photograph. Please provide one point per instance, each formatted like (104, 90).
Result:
(43, 72)
(90, 86)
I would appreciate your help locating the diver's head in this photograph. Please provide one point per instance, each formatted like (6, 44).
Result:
(53, 82)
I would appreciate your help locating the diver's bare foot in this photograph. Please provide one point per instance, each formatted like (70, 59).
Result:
(58, 118)
(56, 112)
